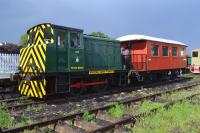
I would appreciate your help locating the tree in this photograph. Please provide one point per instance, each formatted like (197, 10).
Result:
(100, 34)
(24, 40)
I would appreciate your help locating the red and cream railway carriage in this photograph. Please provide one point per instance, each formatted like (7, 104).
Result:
(150, 55)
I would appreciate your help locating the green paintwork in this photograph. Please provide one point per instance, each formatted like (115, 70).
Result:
(102, 54)
(51, 64)
(93, 54)
(189, 60)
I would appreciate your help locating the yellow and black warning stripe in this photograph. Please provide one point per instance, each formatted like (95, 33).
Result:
(32, 62)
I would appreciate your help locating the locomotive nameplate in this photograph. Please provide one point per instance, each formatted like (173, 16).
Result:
(101, 72)
(77, 68)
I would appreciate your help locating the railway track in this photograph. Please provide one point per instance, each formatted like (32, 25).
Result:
(7, 88)
(133, 119)
(23, 102)
(60, 124)
(9, 92)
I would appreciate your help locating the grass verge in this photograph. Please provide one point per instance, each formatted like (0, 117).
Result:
(180, 118)
(5, 119)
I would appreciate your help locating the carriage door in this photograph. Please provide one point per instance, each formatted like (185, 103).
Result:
(76, 51)
(61, 50)
(126, 52)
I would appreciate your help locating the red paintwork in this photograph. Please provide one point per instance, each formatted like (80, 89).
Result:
(82, 84)
(142, 60)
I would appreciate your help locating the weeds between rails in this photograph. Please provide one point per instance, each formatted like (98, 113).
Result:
(52, 121)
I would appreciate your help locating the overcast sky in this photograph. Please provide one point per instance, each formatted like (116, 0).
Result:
(171, 19)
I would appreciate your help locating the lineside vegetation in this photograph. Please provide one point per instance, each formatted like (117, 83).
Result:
(180, 118)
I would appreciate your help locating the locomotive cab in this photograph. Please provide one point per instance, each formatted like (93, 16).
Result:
(68, 47)
(68, 58)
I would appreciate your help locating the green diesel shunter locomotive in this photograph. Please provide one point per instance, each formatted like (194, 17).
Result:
(61, 60)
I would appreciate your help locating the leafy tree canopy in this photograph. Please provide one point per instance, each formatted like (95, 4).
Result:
(100, 34)
(24, 40)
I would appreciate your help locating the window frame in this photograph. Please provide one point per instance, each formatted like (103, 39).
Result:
(59, 34)
(195, 52)
(165, 46)
(79, 40)
(176, 52)
(183, 51)
(47, 34)
(32, 37)
(157, 50)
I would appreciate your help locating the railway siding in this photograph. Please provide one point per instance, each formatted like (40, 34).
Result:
(81, 123)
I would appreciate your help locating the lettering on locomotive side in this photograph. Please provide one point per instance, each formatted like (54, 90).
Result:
(77, 68)
(101, 72)
(77, 52)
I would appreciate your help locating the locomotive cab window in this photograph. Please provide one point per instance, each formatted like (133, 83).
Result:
(174, 51)
(61, 39)
(181, 52)
(154, 50)
(32, 37)
(164, 51)
(195, 54)
(74, 40)
(47, 34)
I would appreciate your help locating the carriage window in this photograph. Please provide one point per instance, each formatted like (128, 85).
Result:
(174, 51)
(61, 39)
(181, 52)
(154, 50)
(74, 40)
(164, 51)
(195, 54)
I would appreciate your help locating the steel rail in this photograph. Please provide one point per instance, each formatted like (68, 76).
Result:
(73, 116)
(133, 119)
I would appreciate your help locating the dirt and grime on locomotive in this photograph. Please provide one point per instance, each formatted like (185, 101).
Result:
(32, 61)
